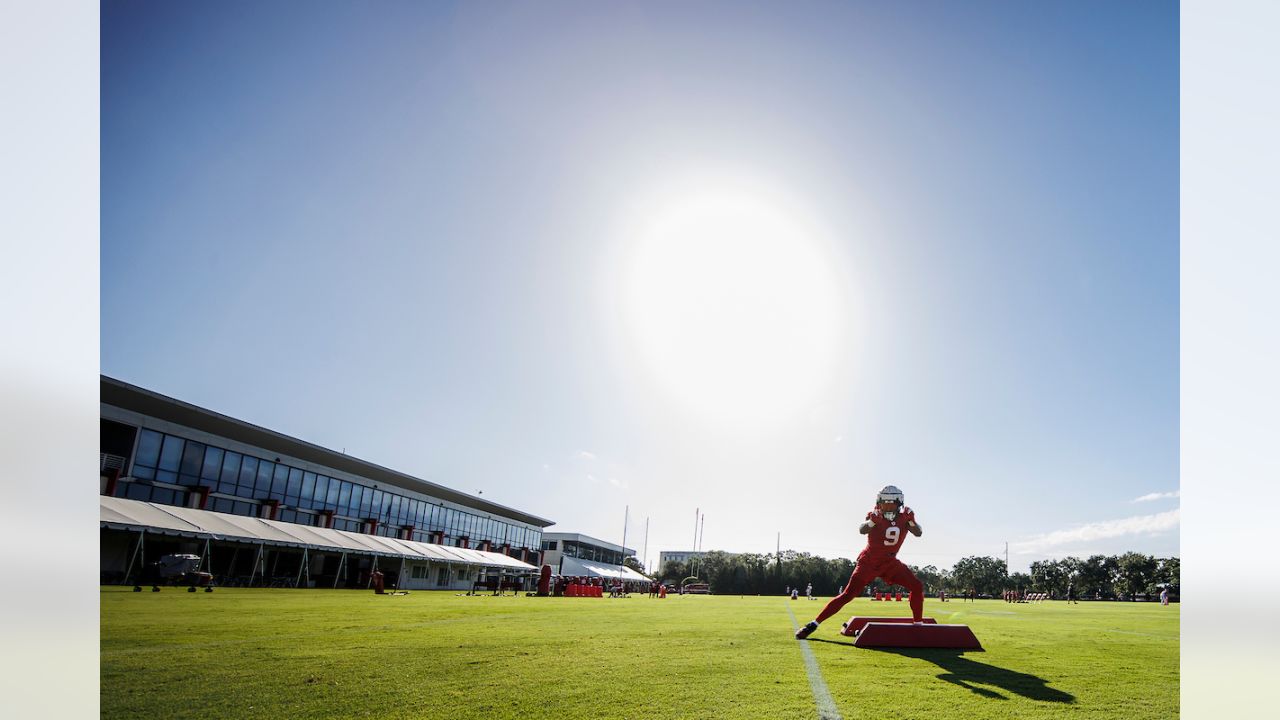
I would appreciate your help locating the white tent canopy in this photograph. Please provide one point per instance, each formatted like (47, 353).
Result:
(122, 514)
(589, 568)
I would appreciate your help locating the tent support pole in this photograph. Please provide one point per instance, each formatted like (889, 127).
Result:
(400, 575)
(206, 560)
(137, 549)
(257, 562)
(301, 569)
(341, 564)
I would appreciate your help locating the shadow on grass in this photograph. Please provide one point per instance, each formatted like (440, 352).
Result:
(833, 642)
(971, 674)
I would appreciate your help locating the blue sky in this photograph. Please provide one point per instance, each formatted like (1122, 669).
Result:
(750, 259)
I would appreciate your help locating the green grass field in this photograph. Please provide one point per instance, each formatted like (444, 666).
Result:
(240, 653)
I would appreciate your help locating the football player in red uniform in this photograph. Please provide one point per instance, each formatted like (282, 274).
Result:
(885, 528)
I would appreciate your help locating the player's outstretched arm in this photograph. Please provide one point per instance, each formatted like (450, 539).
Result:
(913, 527)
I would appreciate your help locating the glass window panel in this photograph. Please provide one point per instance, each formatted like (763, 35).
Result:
(166, 476)
(171, 453)
(222, 505)
(357, 491)
(230, 467)
(375, 505)
(138, 491)
(344, 497)
(148, 448)
(244, 491)
(248, 471)
(366, 502)
(212, 463)
(386, 501)
(243, 508)
(227, 486)
(323, 492)
(308, 492)
(262, 479)
(331, 499)
(185, 479)
(280, 481)
(294, 488)
(162, 495)
(192, 458)
(143, 472)
(287, 515)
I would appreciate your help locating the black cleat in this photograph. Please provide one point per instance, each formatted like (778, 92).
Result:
(807, 630)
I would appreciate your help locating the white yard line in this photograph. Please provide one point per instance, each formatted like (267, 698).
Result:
(826, 706)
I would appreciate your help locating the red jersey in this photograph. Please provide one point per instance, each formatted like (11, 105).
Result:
(885, 539)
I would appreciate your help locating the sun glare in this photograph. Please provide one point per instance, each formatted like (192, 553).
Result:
(732, 303)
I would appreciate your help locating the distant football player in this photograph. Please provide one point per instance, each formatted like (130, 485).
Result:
(884, 527)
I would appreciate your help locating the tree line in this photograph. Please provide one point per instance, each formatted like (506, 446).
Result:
(1106, 577)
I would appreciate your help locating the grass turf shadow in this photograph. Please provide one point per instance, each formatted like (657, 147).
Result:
(971, 674)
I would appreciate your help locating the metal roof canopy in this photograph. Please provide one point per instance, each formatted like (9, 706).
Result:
(123, 514)
(578, 566)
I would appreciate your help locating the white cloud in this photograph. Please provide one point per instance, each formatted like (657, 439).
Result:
(1137, 525)
(1158, 496)
(546, 467)
(586, 455)
(617, 483)
(839, 438)
(591, 478)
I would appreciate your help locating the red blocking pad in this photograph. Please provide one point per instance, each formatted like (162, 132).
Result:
(856, 623)
(881, 634)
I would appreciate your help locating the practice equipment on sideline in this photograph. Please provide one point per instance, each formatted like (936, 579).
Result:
(898, 634)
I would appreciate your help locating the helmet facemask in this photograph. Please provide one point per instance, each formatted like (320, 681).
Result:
(889, 501)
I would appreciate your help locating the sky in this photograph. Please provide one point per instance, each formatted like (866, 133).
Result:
(607, 262)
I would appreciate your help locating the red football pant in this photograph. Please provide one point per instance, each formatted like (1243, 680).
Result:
(892, 571)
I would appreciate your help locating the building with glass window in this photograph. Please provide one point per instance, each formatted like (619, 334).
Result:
(576, 555)
(679, 556)
(158, 451)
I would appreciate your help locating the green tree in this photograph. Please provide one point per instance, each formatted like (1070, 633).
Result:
(1095, 576)
(1168, 574)
(984, 574)
(673, 571)
(1137, 574)
(1019, 581)
(933, 579)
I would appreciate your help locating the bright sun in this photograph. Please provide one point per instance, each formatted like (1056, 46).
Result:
(732, 302)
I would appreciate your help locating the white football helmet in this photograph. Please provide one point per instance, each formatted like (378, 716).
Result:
(889, 501)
